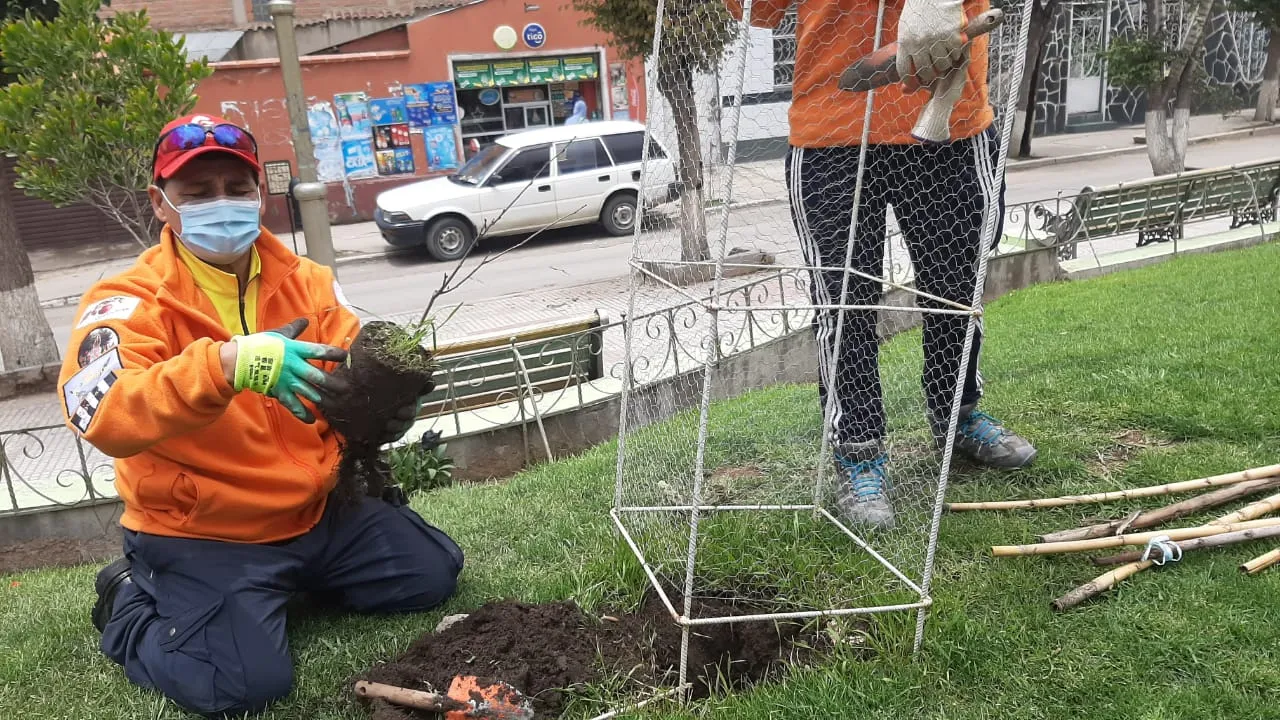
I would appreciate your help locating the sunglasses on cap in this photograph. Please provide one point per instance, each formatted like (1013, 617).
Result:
(184, 138)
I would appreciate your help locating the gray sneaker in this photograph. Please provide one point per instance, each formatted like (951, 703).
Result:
(985, 441)
(861, 495)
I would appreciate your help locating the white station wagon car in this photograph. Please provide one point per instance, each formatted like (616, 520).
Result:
(549, 177)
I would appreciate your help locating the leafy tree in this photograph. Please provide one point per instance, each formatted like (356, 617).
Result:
(1267, 13)
(695, 34)
(1167, 68)
(26, 340)
(89, 98)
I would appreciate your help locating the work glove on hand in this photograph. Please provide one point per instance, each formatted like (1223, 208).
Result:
(934, 125)
(275, 363)
(930, 40)
(404, 418)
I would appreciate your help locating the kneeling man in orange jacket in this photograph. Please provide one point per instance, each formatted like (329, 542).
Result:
(204, 370)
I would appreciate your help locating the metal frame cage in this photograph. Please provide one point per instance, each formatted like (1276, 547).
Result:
(667, 528)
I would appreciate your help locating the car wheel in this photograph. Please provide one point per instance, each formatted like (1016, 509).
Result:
(619, 214)
(449, 238)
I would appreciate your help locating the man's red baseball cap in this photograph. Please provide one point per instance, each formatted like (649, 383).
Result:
(194, 135)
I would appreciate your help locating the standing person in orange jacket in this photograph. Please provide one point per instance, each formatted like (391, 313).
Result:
(940, 194)
(224, 460)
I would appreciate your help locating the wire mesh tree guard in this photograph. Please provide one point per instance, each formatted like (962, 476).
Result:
(726, 496)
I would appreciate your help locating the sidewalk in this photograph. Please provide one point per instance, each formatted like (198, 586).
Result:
(63, 275)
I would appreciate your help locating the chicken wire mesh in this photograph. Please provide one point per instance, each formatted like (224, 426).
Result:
(752, 446)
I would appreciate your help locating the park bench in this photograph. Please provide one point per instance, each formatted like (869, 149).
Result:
(506, 365)
(1158, 208)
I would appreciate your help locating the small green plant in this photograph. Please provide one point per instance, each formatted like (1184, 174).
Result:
(421, 466)
(403, 345)
(1136, 63)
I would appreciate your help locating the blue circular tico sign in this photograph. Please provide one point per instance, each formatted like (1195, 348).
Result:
(534, 36)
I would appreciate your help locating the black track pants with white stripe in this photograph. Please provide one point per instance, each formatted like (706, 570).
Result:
(939, 195)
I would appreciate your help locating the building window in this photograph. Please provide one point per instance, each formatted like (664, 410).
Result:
(784, 50)
(261, 13)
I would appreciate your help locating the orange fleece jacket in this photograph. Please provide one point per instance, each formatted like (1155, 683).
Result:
(830, 36)
(142, 382)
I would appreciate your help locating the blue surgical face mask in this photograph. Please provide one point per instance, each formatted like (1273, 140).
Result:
(219, 231)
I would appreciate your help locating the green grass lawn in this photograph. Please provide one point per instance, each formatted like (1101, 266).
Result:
(1162, 374)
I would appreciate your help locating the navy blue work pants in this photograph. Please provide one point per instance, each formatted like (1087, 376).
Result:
(204, 621)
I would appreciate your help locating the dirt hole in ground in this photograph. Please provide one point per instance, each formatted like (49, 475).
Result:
(546, 650)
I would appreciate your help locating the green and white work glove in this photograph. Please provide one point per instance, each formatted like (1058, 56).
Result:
(930, 41)
(274, 363)
(404, 418)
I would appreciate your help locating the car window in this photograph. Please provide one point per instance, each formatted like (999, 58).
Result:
(581, 155)
(625, 147)
(527, 165)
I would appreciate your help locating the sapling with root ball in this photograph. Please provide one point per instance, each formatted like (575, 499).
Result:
(389, 369)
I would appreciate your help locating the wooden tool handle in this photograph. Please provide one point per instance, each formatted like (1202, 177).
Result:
(418, 699)
(880, 68)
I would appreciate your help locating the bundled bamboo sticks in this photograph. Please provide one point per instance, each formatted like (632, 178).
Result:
(1159, 516)
(1242, 519)
(1243, 525)
(1204, 543)
(1267, 471)
(1142, 538)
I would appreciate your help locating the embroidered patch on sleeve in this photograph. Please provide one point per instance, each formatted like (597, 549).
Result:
(84, 391)
(97, 343)
(116, 307)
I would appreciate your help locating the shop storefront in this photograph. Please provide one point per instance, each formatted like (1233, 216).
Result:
(502, 94)
(421, 100)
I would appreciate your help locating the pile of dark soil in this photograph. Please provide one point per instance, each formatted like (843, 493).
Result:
(387, 370)
(544, 650)
(57, 552)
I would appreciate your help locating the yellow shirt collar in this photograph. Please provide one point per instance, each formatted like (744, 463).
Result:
(210, 278)
(223, 289)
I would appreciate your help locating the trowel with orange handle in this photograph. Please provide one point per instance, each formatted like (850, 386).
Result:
(469, 698)
(880, 68)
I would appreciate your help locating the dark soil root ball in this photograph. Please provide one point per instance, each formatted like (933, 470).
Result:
(387, 370)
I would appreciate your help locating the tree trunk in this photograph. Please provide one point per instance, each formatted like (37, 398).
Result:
(1269, 93)
(1042, 16)
(676, 83)
(1167, 147)
(26, 339)
(1160, 150)
(1026, 117)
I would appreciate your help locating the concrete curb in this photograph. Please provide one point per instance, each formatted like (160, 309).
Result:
(1017, 165)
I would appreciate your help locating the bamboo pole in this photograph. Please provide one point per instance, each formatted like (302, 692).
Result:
(1262, 562)
(1204, 543)
(1176, 534)
(1158, 516)
(1242, 519)
(1267, 471)
(1251, 511)
(1099, 584)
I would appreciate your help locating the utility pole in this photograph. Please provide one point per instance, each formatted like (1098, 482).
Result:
(311, 194)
